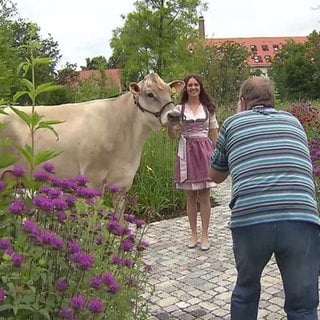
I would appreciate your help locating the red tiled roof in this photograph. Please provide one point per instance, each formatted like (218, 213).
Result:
(263, 48)
(113, 74)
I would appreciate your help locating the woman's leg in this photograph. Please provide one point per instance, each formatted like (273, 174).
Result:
(192, 211)
(205, 211)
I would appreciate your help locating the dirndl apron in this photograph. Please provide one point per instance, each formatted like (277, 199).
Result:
(194, 151)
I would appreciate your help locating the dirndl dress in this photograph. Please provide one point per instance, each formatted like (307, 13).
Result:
(194, 151)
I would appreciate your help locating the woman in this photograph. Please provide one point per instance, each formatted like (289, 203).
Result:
(198, 137)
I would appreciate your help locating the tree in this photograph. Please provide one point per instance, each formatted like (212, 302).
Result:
(155, 38)
(223, 68)
(96, 63)
(296, 70)
(16, 36)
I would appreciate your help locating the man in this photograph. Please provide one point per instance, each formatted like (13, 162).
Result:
(273, 206)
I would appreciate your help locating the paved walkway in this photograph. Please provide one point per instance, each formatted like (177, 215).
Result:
(192, 284)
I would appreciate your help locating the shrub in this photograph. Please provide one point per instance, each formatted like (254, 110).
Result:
(66, 256)
(309, 117)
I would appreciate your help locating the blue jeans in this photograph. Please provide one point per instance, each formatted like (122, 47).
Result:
(296, 247)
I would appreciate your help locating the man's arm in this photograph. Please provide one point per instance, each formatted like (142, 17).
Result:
(216, 175)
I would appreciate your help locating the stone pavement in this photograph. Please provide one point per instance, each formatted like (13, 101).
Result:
(193, 284)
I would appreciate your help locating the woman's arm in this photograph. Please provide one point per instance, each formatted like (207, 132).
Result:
(172, 132)
(213, 135)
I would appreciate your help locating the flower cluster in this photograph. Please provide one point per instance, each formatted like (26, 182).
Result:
(309, 117)
(65, 253)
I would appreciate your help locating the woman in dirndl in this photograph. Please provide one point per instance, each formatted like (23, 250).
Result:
(198, 135)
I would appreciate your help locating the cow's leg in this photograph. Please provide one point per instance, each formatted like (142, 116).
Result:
(119, 204)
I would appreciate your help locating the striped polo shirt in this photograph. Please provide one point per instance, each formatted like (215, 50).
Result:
(266, 152)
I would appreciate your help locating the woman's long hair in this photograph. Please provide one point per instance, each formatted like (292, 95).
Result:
(205, 99)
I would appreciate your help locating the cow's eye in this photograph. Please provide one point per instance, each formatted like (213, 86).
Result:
(150, 95)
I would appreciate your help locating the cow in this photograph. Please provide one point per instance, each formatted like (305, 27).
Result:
(100, 139)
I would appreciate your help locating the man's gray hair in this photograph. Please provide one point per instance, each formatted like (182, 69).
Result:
(257, 91)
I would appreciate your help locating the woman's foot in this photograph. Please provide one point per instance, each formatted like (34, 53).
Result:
(193, 242)
(205, 244)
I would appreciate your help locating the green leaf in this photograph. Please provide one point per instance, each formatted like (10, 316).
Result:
(42, 60)
(24, 67)
(45, 313)
(47, 87)
(35, 118)
(22, 307)
(22, 115)
(26, 152)
(45, 155)
(29, 85)
(5, 307)
(47, 125)
(19, 94)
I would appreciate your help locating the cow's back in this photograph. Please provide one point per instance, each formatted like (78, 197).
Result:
(89, 135)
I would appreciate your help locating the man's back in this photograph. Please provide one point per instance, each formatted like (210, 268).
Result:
(267, 154)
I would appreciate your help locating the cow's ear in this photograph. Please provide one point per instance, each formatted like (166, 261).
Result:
(134, 88)
(177, 84)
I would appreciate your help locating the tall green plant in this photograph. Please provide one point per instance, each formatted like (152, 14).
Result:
(153, 183)
(34, 119)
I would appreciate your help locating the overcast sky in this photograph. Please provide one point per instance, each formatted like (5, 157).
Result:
(83, 29)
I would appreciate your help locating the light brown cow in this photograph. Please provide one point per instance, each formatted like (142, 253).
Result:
(101, 139)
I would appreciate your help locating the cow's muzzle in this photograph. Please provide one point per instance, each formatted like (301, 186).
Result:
(174, 117)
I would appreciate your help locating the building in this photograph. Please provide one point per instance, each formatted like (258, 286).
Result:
(112, 77)
(262, 49)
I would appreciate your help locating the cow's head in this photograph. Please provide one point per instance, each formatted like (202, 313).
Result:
(153, 96)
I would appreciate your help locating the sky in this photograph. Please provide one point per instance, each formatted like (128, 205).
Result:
(83, 29)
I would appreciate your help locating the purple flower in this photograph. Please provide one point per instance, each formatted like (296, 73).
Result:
(54, 193)
(143, 245)
(48, 167)
(17, 259)
(127, 244)
(66, 314)
(114, 287)
(4, 244)
(73, 247)
(2, 295)
(116, 260)
(16, 207)
(81, 180)
(41, 176)
(70, 200)
(51, 239)
(108, 278)
(115, 227)
(62, 285)
(129, 218)
(113, 188)
(44, 189)
(127, 263)
(96, 282)
(83, 261)
(62, 216)
(87, 193)
(95, 306)
(77, 302)
(9, 251)
(18, 171)
(31, 228)
(43, 203)
(110, 281)
(139, 223)
(59, 204)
